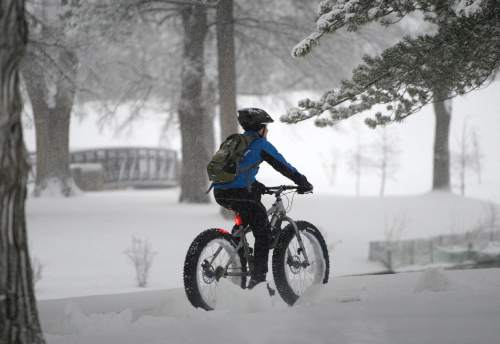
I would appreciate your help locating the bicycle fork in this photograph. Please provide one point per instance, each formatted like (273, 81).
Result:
(301, 243)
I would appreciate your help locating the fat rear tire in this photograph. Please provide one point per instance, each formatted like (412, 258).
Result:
(192, 265)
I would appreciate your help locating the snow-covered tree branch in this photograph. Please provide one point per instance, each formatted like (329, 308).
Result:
(334, 15)
(460, 57)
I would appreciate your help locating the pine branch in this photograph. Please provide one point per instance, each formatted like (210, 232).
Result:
(334, 15)
(459, 58)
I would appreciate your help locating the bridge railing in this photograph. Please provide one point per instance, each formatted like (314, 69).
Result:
(129, 166)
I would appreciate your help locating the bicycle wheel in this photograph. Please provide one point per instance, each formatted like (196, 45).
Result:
(291, 275)
(205, 265)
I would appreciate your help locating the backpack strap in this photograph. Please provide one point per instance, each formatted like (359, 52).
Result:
(210, 188)
(249, 139)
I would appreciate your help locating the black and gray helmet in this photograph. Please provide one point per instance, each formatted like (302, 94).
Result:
(253, 118)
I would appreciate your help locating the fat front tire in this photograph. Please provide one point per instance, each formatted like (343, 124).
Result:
(292, 279)
(201, 274)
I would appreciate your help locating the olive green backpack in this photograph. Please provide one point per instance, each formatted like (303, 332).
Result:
(224, 164)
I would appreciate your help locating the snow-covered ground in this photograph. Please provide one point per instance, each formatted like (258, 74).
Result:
(445, 307)
(81, 241)
(87, 292)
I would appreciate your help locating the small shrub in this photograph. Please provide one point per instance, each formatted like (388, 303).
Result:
(141, 256)
(394, 226)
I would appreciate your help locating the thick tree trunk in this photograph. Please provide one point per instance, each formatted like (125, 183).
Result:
(226, 65)
(52, 98)
(195, 154)
(19, 323)
(441, 171)
(226, 68)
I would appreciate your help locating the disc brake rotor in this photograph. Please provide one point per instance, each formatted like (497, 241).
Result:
(294, 264)
(208, 274)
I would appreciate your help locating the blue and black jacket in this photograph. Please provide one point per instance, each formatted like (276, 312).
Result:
(258, 151)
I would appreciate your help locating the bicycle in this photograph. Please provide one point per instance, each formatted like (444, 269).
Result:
(299, 259)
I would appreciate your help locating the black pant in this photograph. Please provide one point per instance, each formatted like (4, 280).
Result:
(253, 212)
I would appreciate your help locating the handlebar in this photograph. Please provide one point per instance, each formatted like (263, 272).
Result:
(277, 190)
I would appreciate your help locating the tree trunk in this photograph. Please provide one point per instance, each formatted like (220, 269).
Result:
(52, 97)
(226, 68)
(358, 175)
(383, 178)
(463, 158)
(384, 163)
(476, 155)
(210, 104)
(19, 323)
(195, 154)
(462, 181)
(441, 172)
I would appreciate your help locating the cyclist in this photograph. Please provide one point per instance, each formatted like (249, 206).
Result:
(243, 194)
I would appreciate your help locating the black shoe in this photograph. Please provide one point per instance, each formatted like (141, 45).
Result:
(255, 280)
(270, 290)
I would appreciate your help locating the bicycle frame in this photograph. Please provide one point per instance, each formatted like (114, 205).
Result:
(277, 212)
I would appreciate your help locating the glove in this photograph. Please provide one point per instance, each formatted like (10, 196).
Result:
(302, 183)
(258, 187)
(305, 187)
